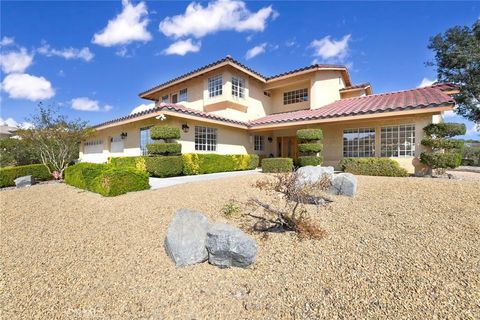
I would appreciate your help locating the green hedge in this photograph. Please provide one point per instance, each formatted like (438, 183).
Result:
(373, 167)
(9, 174)
(106, 179)
(163, 166)
(199, 163)
(446, 129)
(309, 134)
(137, 163)
(440, 143)
(468, 162)
(165, 149)
(310, 147)
(164, 132)
(441, 160)
(303, 161)
(277, 165)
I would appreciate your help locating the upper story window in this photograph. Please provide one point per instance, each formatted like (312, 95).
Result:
(398, 141)
(174, 98)
(183, 96)
(259, 144)
(165, 99)
(295, 96)
(238, 87)
(215, 86)
(359, 142)
(205, 139)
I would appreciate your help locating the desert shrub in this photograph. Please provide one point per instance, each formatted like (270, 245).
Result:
(197, 163)
(472, 153)
(164, 132)
(106, 179)
(164, 149)
(137, 163)
(9, 174)
(468, 162)
(303, 161)
(373, 167)
(163, 166)
(309, 148)
(441, 160)
(309, 134)
(446, 129)
(277, 165)
(231, 208)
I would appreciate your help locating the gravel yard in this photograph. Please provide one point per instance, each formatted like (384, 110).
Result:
(403, 248)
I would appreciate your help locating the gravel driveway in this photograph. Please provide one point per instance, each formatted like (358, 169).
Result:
(403, 248)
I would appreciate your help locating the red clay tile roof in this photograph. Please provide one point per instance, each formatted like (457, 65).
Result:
(356, 86)
(427, 97)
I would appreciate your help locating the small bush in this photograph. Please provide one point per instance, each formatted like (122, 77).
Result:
(164, 132)
(468, 162)
(310, 147)
(303, 161)
(164, 149)
(277, 165)
(231, 208)
(441, 160)
(373, 167)
(197, 163)
(137, 163)
(82, 175)
(309, 134)
(9, 174)
(162, 166)
(445, 129)
(439, 143)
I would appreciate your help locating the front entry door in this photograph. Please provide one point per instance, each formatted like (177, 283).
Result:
(287, 147)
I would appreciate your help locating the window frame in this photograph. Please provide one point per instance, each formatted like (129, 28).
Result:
(214, 88)
(348, 150)
(183, 95)
(260, 144)
(206, 139)
(144, 150)
(295, 96)
(165, 99)
(238, 87)
(405, 147)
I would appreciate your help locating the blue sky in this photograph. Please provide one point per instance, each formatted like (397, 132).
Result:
(93, 58)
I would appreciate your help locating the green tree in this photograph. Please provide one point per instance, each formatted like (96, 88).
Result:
(457, 59)
(55, 139)
(16, 152)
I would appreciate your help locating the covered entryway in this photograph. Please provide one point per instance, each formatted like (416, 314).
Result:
(287, 147)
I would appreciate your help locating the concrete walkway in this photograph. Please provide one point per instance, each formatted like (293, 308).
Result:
(157, 183)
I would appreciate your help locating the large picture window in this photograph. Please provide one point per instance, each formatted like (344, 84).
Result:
(145, 139)
(205, 139)
(215, 85)
(238, 87)
(259, 143)
(359, 142)
(398, 141)
(295, 96)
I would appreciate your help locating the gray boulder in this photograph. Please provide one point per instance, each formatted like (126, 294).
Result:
(312, 174)
(343, 184)
(229, 246)
(25, 181)
(186, 237)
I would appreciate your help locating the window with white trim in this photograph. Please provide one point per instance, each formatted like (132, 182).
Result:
(165, 99)
(259, 143)
(238, 87)
(295, 96)
(183, 95)
(145, 139)
(205, 139)
(359, 142)
(93, 142)
(398, 141)
(215, 86)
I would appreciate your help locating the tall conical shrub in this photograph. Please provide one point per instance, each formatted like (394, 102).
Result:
(310, 147)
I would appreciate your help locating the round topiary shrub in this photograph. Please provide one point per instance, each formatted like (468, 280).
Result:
(310, 147)
(164, 132)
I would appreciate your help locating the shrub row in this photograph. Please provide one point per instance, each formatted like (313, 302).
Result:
(164, 149)
(198, 163)
(277, 165)
(162, 166)
(373, 167)
(106, 179)
(9, 174)
(441, 160)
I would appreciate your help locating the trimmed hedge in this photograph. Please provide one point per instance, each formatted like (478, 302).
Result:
(199, 163)
(162, 166)
(309, 134)
(137, 163)
(440, 143)
(164, 149)
(441, 160)
(9, 174)
(373, 167)
(277, 165)
(310, 147)
(303, 161)
(164, 132)
(446, 129)
(106, 179)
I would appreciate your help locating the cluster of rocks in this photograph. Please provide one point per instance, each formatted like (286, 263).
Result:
(340, 184)
(25, 181)
(192, 239)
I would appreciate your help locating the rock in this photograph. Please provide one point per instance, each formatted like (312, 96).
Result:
(186, 237)
(229, 246)
(312, 174)
(25, 181)
(343, 184)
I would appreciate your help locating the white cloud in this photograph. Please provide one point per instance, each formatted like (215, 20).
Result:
(129, 26)
(87, 104)
(6, 41)
(255, 51)
(182, 47)
(26, 86)
(143, 107)
(426, 82)
(67, 53)
(15, 61)
(198, 21)
(12, 123)
(332, 50)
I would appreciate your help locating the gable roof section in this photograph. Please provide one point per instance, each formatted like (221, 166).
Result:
(356, 86)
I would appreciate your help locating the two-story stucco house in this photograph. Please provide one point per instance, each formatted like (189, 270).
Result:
(228, 108)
